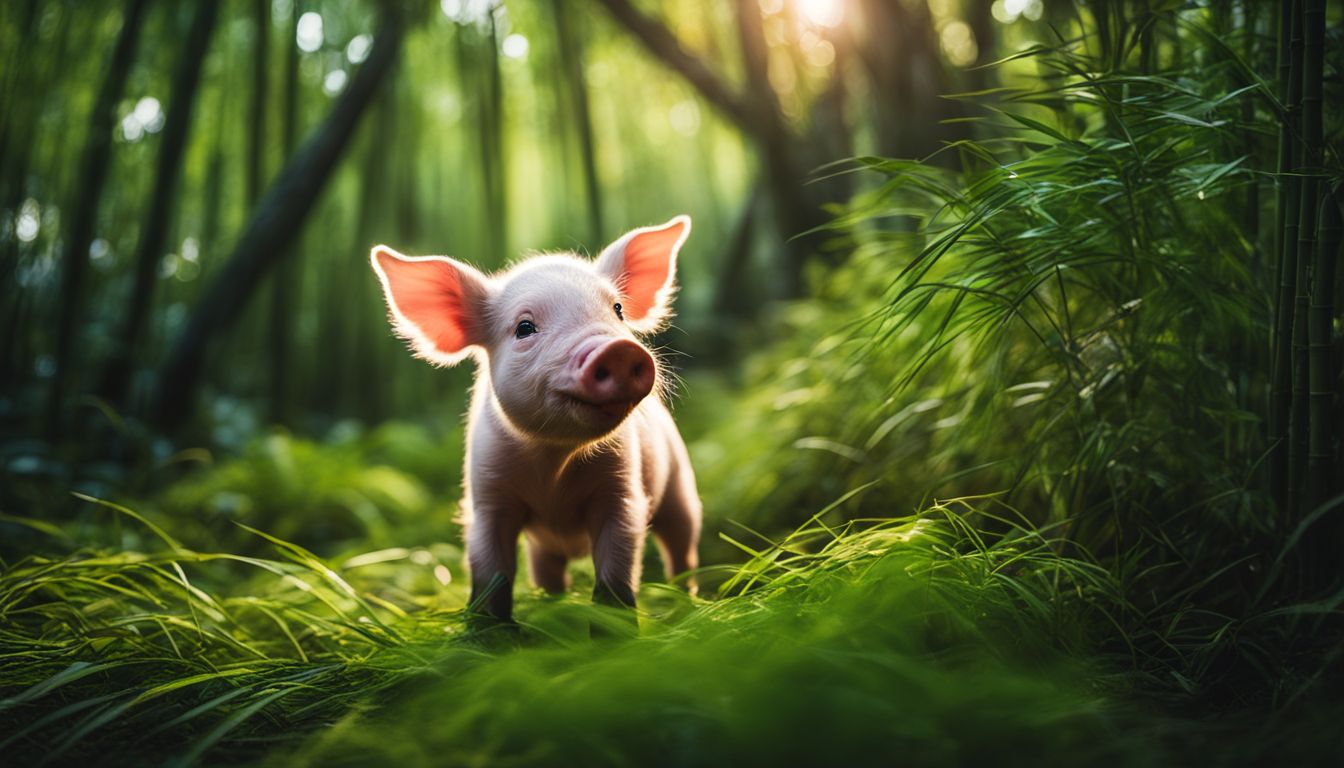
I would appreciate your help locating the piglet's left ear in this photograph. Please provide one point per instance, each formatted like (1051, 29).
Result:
(643, 265)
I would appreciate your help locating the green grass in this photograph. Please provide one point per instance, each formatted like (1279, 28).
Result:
(915, 640)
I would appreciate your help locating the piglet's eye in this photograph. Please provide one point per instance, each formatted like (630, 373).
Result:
(525, 328)
(618, 310)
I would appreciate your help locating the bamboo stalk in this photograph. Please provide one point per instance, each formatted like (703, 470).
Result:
(286, 289)
(571, 61)
(274, 224)
(492, 145)
(256, 128)
(119, 368)
(1290, 88)
(1322, 482)
(94, 165)
(1313, 70)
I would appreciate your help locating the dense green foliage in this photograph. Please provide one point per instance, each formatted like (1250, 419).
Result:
(998, 488)
(964, 650)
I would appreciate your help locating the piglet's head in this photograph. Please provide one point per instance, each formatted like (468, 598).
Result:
(558, 335)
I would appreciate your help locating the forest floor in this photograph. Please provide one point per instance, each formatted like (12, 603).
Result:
(900, 641)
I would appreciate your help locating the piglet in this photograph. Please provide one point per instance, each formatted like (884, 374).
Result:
(568, 440)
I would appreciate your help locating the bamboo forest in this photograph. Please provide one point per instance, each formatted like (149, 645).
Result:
(671, 382)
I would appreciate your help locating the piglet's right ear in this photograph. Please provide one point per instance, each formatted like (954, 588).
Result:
(435, 303)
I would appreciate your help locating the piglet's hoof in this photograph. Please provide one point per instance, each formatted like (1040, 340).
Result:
(493, 632)
(614, 615)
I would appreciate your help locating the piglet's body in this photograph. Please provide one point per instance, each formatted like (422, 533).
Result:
(568, 441)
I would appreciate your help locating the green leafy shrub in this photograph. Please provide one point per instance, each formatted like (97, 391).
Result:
(1068, 319)
(369, 487)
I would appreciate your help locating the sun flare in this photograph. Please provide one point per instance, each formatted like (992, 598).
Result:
(823, 13)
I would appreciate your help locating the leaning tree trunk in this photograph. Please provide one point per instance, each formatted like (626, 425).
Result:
(659, 41)
(285, 286)
(908, 66)
(271, 229)
(757, 116)
(181, 104)
(84, 214)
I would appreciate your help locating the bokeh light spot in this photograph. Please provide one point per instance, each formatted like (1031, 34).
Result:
(357, 50)
(30, 221)
(334, 82)
(309, 35)
(514, 46)
(685, 117)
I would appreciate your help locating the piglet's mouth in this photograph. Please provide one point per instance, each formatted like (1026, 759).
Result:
(611, 410)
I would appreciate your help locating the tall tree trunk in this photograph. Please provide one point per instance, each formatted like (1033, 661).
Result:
(899, 50)
(16, 94)
(1313, 32)
(149, 253)
(730, 299)
(492, 145)
(478, 72)
(1323, 482)
(212, 194)
(254, 167)
(380, 193)
(256, 129)
(18, 64)
(1313, 72)
(828, 138)
(286, 286)
(571, 62)
(271, 229)
(21, 119)
(1281, 376)
(1249, 134)
(84, 215)
(980, 18)
(795, 211)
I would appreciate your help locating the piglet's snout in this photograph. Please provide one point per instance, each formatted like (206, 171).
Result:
(616, 376)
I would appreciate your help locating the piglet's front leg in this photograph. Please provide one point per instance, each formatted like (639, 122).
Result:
(492, 553)
(617, 537)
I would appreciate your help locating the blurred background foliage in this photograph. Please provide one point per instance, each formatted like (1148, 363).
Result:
(1008, 355)
(498, 130)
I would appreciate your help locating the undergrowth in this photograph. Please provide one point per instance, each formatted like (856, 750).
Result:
(916, 638)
